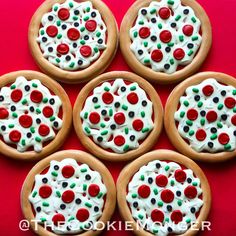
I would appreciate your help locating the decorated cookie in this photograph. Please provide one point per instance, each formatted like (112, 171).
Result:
(73, 41)
(165, 41)
(35, 115)
(163, 193)
(69, 192)
(200, 117)
(118, 116)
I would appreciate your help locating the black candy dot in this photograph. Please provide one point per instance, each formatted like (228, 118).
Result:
(210, 144)
(113, 126)
(75, 45)
(223, 93)
(38, 121)
(144, 12)
(103, 112)
(167, 49)
(93, 14)
(44, 180)
(80, 62)
(193, 210)
(50, 49)
(203, 113)
(186, 129)
(169, 229)
(153, 20)
(186, 11)
(153, 201)
(87, 177)
(56, 167)
(1, 98)
(178, 193)
(76, 12)
(64, 27)
(68, 228)
(189, 180)
(140, 52)
(38, 209)
(68, 58)
(117, 104)
(31, 109)
(224, 117)
(167, 66)
(63, 206)
(96, 209)
(123, 89)
(169, 208)
(132, 138)
(215, 99)
(52, 101)
(144, 103)
(158, 165)
(196, 98)
(95, 99)
(64, 184)
(78, 201)
(190, 45)
(27, 88)
(99, 139)
(55, 124)
(131, 114)
(213, 130)
(44, 39)
(135, 204)
(76, 24)
(154, 38)
(173, 25)
(13, 108)
(3, 128)
(50, 18)
(86, 37)
(150, 180)
(29, 135)
(100, 41)
(234, 132)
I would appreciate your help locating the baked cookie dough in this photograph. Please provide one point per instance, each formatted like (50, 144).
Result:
(163, 193)
(69, 192)
(73, 41)
(200, 117)
(165, 41)
(35, 115)
(118, 116)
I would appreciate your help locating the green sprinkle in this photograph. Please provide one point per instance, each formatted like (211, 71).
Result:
(219, 125)
(72, 185)
(234, 92)
(194, 183)
(45, 100)
(100, 195)
(153, 11)
(141, 22)
(195, 90)
(58, 193)
(191, 132)
(159, 26)
(87, 204)
(71, 218)
(124, 107)
(172, 182)
(133, 88)
(13, 86)
(145, 45)
(167, 219)
(177, 17)
(59, 36)
(97, 106)
(11, 126)
(179, 202)
(134, 195)
(200, 104)
(193, 19)
(35, 85)
(170, 44)
(85, 115)
(144, 130)
(194, 38)
(14, 114)
(213, 136)
(188, 220)
(106, 89)
(88, 9)
(45, 204)
(227, 146)
(140, 216)
(58, 60)
(155, 231)
(23, 142)
(186, 103)
(190, 52)
(71, 4)
(42, 32)
(160, 203)
(38, 110)
(55, 8)
(155, 191)
(181, 38)
(87, 130)
(86, 18)
(167, 168)
(34, 194)
(135, 34)
(83, 170)
(220, 106)
(189, 122)
(234, 109)
(95, 49)
(82, 29)
(126, 130)
(143, 114)
(142, 177)
(105, 132)
(72, 64)
(52, 118)
(172, 61)
(159, 46)
(102, 125)
(82, 42)
(110, 112)
(182, 113)
(171, 2)
(98, 34)
(38, 139)
(54, 173)
(126, 148)
(84, 187)
(202, 121)
(43, 219)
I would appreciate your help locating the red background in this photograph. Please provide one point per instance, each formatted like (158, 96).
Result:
(15, 55)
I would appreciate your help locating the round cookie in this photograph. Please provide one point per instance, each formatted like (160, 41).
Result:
(73, 41)
(200, 117)
(163, 193)
(35, 115)
(165, 41)
(71, 192)
(118, 116)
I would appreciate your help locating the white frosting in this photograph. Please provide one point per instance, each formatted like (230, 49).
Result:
(177, 17)
(142, 213)
(22, 107)
(103, 128)
(208, 104)
(76, 183)
(85, 10)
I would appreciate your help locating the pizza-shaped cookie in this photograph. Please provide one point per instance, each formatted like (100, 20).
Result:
(69, 192)
(118, 116)
(73, 41)
(165, 40)
(35, 115)
(200, 117)
(163, 193)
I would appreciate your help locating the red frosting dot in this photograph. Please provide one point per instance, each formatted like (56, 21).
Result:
(144, 191)
(176, 216)
(192, 114)
(188, 30)
(200, 135)
(43, 130)
(58, 219)
(180, 176)
(179, 54)
(85, 51)
(157, 55)
(36, 96)
(161, 180)
(68, 171)
(157, 216)
(25, 121)
(3, 113)
(167, 196)
(233, 120)
(47, 111)
(45, 191)
(138, 125)
(164, 13)
(91, 25)
(94, 117)
(223, 138)
(190, 192)
(93, 190)
(107, 98)
(119, 140)
(132, 98)
(63, 48)
(82, 214)
(63, 14)
(15, 136)
(165, 36)
(68, 196)
(208, 90)
(211, 116)
(119, 118)
(230, 102)
(144, 32)
(16, 95)
(52, 31)
(73, 34)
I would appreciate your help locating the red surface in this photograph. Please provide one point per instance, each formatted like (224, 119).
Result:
(15, 55)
